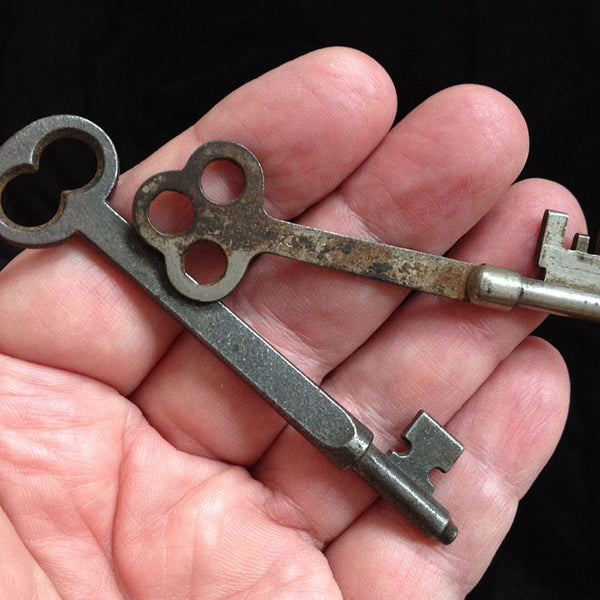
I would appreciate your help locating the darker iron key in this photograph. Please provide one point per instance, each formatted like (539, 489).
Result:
(402, 479)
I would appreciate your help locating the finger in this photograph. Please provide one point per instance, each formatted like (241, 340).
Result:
(510, 428)
(425, 186)
(430, 165)
(311, 122)
(433, 354)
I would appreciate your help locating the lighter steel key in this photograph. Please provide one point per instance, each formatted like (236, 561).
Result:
(243, 230)
(401, 479)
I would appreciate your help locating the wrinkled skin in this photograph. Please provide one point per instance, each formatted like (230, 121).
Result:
(134, 465)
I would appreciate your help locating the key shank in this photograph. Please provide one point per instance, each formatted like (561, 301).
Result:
(504, 289)
(408, 268)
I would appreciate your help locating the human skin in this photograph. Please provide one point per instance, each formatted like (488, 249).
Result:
(133, 464)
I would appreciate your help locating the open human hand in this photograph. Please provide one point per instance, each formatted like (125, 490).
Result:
(133, 464)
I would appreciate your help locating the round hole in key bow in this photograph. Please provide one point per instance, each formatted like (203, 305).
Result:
(32, 199)
(222, 181)
(205, 262)
(171, 212)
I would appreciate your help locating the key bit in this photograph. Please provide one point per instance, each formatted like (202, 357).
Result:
(571, 282)
(403, 479)
(428, 446)
(573, 267)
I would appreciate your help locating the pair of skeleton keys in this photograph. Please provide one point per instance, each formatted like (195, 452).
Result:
(243, 230)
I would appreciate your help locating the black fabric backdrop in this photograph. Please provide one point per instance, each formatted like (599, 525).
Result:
(145, 71)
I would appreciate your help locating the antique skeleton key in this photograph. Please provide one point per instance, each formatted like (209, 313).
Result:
(401, 479)
(243, 230)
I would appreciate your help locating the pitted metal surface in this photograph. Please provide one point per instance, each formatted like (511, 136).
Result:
(243, 230)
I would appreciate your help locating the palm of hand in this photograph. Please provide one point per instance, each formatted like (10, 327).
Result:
(203, 493)
(117, 506)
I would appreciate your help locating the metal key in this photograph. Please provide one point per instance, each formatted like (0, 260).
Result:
(243, 230)
(401, 479)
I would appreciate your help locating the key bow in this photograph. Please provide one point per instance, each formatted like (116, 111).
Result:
(226, 225)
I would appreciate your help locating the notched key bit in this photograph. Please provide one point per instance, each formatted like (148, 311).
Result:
(574, 267)
(407, 485)
(428, 446)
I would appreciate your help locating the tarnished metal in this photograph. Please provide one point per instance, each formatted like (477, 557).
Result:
(402, 479)
(243, 230)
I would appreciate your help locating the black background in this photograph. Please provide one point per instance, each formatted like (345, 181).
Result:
(145, 71)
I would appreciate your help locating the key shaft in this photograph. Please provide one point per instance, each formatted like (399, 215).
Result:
(504, 289)
(571, 286)
(408, 268)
